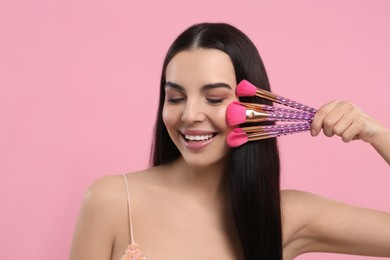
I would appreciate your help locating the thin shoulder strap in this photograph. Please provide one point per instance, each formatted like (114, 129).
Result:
(129, 207)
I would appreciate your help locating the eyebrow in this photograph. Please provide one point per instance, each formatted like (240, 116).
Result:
(204, 87)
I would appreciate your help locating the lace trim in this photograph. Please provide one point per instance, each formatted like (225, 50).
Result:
(133, 253)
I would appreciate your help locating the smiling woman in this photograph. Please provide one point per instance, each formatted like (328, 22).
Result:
(200, 84)
(204, 200)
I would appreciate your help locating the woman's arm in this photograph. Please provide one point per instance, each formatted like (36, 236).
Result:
(94, 234)
(347, 121)
(324, 225)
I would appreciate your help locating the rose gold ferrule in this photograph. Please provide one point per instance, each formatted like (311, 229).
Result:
(260, 136)
(249, 129)
(255, 106)
(266, 94)
(253, 116)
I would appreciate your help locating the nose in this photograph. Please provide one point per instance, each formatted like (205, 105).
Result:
(193, 112)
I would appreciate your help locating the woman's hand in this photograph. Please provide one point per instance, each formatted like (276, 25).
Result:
(345, 119)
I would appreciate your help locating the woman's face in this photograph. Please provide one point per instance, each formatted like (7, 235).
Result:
(200, 83)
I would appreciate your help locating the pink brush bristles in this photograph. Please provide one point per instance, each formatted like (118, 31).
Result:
(240, 113)
(237, 138)
(235, 114)
(245, 89)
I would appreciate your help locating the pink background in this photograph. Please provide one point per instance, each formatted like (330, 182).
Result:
(75, 75)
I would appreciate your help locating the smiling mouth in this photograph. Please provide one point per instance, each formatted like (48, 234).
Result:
(197, 138)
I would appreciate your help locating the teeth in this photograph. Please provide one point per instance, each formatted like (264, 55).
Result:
(198, 137)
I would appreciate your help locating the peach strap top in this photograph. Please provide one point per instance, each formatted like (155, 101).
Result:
(132, 252)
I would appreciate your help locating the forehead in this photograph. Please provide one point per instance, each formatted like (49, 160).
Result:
(201, 66)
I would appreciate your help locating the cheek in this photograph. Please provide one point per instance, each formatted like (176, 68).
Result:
(170, 117)
(219, 117)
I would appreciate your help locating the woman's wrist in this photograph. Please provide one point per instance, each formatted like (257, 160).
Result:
(381, 143)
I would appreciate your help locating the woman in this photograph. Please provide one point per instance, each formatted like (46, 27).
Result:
(204, 200)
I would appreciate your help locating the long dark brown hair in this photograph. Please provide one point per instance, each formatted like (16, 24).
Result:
(253, 169)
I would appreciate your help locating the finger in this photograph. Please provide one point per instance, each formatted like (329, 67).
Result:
(322, 112)
(350, 126)
(343, 124)
(330, 121)
(351, 133)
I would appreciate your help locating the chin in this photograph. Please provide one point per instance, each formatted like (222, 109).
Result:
(203, 161)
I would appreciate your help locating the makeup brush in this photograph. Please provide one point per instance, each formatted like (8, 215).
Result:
(245, 89)
(237, 114)
(239, 137)
(276, 109)
(269, 128)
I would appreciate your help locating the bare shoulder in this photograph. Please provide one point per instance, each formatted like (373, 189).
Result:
(294, 201)
(109, 189)
(102, 217)
(104, 191)
(106, 197)
(293, 205)
(299, 208)
(294, 198)
(103, 199)
(302, 203)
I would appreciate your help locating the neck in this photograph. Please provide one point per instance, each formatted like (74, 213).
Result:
(205, 184)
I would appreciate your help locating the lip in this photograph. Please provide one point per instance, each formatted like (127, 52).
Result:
(196, 132)
(198, 145)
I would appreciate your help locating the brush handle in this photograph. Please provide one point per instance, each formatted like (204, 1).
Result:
(290, 111)
(294, 104)
(275, 109)
(293, 129)
(271, 128)
(291, 117)
(278, 132)
(293, 114)
(255, 116)
(282, 100)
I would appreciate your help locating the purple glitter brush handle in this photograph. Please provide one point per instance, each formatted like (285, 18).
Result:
(293, 129)
(293, 104)
(272, 131)
(288, 128)
(289, 117)
(286, 110)
(290, 111)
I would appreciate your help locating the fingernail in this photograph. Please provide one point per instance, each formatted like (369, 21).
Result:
(313, 132)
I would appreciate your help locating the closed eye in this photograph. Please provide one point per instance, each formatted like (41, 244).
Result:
(215, 101)
(175, 100)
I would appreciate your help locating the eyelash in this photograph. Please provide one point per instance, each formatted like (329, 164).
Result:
(213, 101)
(175, 100)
